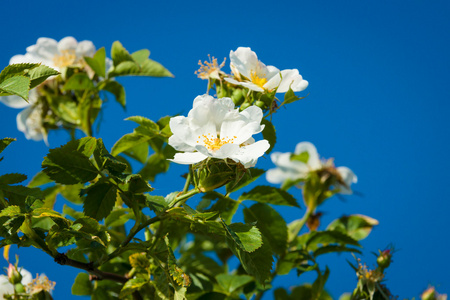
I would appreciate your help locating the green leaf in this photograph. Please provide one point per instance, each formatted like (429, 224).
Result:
(270, 223)
(5, 142)
(154, 69)
(329, 237)
(82, 285)
(39, 74)
(333, 248)
(100, 200)
(301, 157)
(269, 134)
(138, 152)
(12, 178)
(20, 190)
(257, 263)
(98, 62)
(118, 217)
(147, 127)
(128, 141)
(269, 194)
(70, 163)
(132, 285)
(250, 176)
(119, 54)
(17, 85)
(355, 226)
(290, 97)
(69, 167)
(246, 236)
(39, 179)
(230, 283)
(117, 90)
(155, 165)
(78, 81)
(140, 56)
(10, 211)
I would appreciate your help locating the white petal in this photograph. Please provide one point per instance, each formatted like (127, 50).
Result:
(44, 50)
(29, 126)
(291, 78)
(67, 43)
(252, 86)
(85, 48)
(5, 286)
(248, 155)
(19, 59)
(227, 150)
(348, 177)
(244, 60)
(26, 276)
(14, 101)
(188, 158)
(313, 162)
(276, 176)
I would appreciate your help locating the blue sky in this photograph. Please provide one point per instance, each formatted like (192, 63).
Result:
(378, 103)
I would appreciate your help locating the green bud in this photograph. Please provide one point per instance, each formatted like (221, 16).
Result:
(260, 104)
(429, 294)
(245, 105)
(384, 259)
(237, 96)
(214, 181)
(14, 275)
(19, 288)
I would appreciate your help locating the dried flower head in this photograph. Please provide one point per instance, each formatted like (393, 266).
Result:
(210, 69)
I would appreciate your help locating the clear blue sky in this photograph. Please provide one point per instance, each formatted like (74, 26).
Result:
(378, 103)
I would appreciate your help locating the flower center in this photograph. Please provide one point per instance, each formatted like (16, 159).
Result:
(66, 58)
(257, 80)
(214, 143)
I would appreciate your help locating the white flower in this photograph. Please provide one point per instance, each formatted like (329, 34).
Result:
(7, 288)
(214, 128)
(259, 77)
(294, 169)
(66, 52)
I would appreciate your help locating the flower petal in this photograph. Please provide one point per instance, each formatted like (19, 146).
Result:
(14, 101)
(85, 48)
(348, 177)
(44, 50)
(248, 155)
(188, 158)
(67, 43)
(313, 162)
(244, 60)
(291, 78)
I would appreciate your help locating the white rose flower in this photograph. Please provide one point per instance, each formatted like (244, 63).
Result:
(293, 170)
(259, 77)
(7, 288)
(214, 128)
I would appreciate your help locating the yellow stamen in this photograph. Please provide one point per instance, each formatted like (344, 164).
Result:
(209, 69)
(259, 81)
(66, 58)
(214, 143)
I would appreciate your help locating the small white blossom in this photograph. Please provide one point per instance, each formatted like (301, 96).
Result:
(7, 288)
(215, 128)
(259, 77)
(288, 169)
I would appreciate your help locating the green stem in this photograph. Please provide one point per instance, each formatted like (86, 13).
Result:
(188, 180)
(298, 227)
(183, 197)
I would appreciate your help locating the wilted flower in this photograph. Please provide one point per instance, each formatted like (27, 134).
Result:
(6, 287)
(40, 283)
(256, 76)
(210, 69)
(214, 128)
(305, 159)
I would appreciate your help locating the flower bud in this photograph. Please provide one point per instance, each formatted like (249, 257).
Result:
(14, 275)
(237, 96)
(260, 104)
(384, 259)
(429, 294)
(245, 105)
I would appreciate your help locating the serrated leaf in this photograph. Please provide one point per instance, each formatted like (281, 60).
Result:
(69, 167)
(355, 226)
(132, 285)
(155, 165)
(97, 62)
(17, 85)
(23, 191)
(246, 236)
(154, 69)
(118, 217)
(333, 248)
(230, 283)
(128, 141)
(39, 74)
(269, 194)
(78, 81)
(181, 278)
(82, 285)
(12, 178)
(99, 200)
(250, 176)
(290, 97)
(117, 90)
(270, 223)
(138, 152)
(10, 211)
(257, 263)
(39, 179)
(269, 134)
(120, 54)
(5, 142)
(329, 237)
